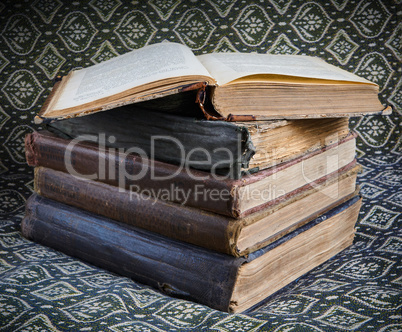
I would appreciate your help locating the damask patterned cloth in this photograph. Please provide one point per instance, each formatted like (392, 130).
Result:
(358, 290)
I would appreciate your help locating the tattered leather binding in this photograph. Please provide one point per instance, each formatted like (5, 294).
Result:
(235, 86)
(230, 149)
(183, 270)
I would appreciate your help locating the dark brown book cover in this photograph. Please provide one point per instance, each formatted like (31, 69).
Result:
(205, 229)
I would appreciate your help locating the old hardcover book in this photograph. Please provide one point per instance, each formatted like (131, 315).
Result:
(248, 86)
(235, 198)
(236, 237)
(220, 281)
(224, 148)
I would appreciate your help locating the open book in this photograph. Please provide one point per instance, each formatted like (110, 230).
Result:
(239, 86)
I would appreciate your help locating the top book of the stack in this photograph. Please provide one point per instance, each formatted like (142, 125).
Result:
(237, 86)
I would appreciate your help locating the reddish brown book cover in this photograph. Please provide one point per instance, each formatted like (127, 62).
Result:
(184, 186)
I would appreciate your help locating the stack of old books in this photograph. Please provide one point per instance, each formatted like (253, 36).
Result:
(224, 210)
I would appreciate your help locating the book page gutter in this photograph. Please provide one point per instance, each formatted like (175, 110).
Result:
(226, 67)
(136, 68)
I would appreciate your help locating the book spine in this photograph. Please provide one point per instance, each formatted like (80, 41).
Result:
(154, 178)
(219, 147)
(177, 268)
(208, 230)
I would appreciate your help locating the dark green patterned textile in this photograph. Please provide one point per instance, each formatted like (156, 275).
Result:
(44, 290)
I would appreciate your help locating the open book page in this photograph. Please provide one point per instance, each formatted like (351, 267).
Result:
(148, 64)
(226, 67)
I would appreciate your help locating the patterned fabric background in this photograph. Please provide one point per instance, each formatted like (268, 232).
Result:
(358, 290)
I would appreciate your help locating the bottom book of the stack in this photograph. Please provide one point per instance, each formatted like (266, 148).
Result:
(223, 282)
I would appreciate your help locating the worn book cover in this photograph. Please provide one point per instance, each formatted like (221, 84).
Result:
(225, 148)
(185, 186)
(236, 237)
(220, 281)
